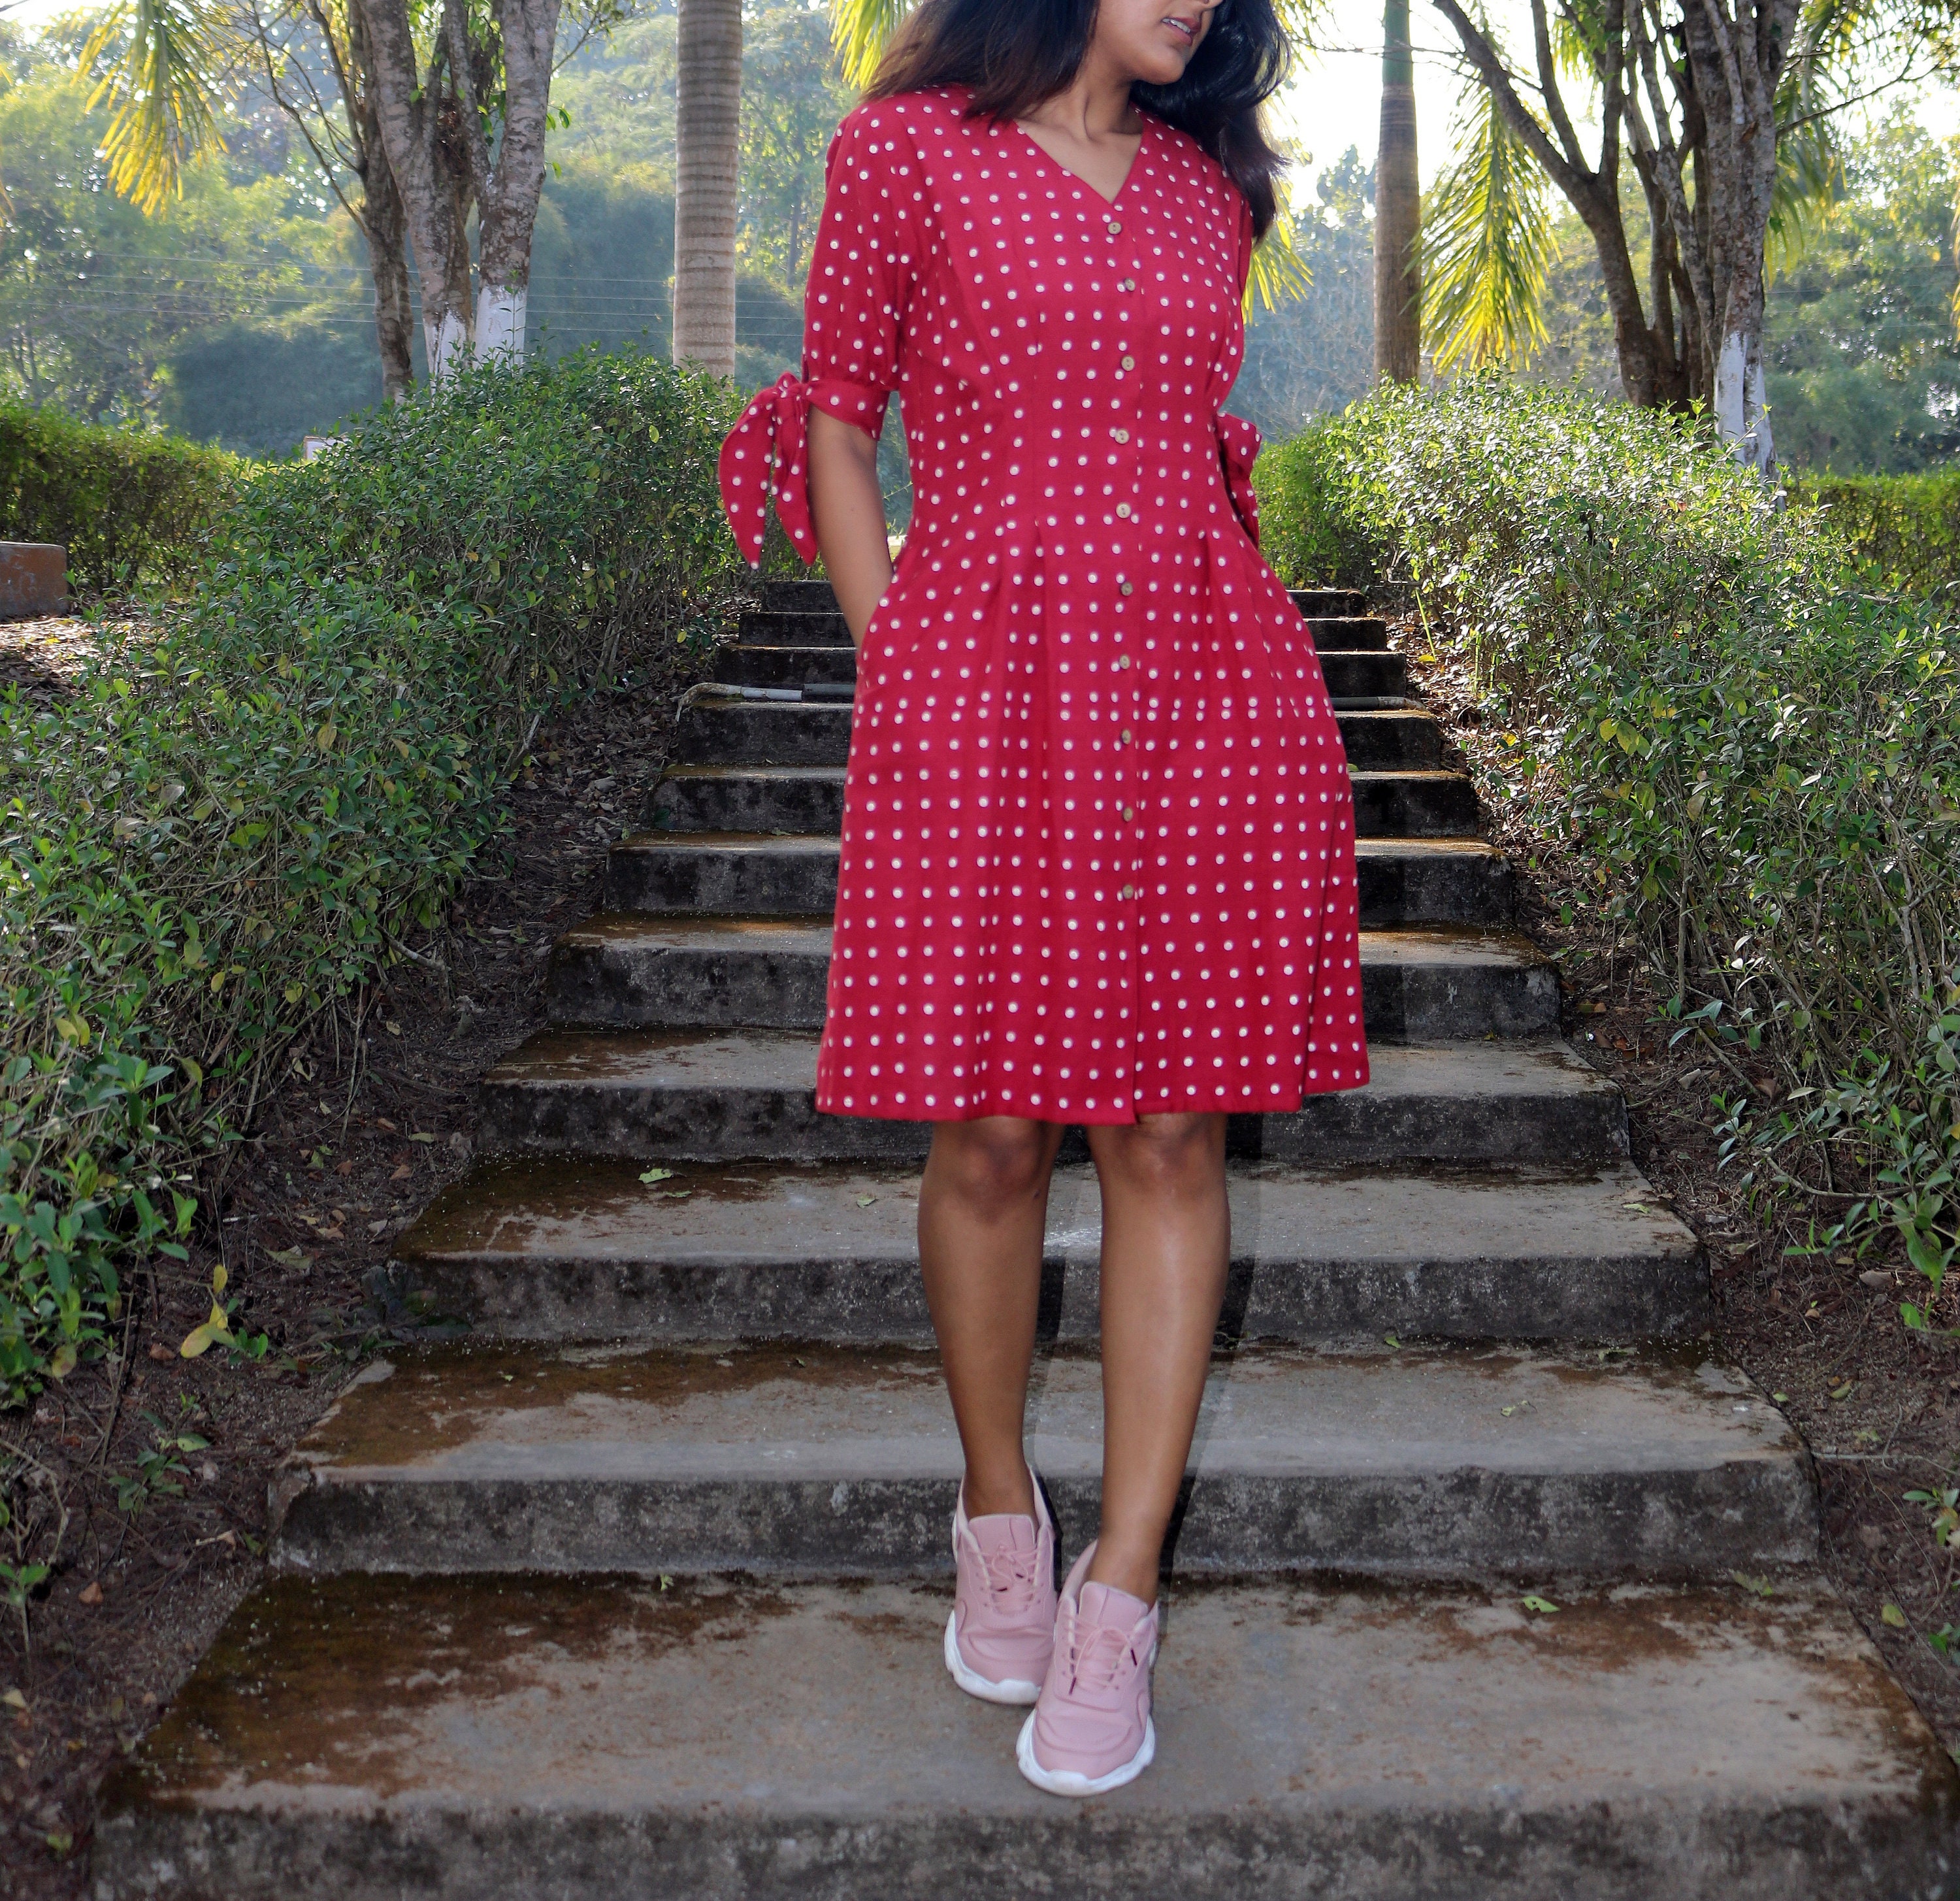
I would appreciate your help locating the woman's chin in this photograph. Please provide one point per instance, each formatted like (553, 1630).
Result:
(1161, 69)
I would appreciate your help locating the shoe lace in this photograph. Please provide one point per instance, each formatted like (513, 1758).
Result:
(1096, 1656)
(1011, 1578)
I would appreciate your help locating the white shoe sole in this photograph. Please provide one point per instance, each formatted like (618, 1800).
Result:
(970, 1680)
(1068, 1781)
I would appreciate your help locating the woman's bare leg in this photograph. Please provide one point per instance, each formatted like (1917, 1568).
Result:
(1166, 1245)
(982, 1207)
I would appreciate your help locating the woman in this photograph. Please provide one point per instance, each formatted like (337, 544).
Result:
(1098, 842)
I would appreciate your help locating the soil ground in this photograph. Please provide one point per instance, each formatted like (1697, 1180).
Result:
(369, 1125)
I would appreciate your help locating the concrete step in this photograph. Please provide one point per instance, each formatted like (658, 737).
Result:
(704, 1096)
(801, 629)
(1402, 881)
(798, 597)
(1345, 603)
(576, 1249)
(798, 799)
(811, 1461)
(478, 1739)
(624, 969)
(765, 733)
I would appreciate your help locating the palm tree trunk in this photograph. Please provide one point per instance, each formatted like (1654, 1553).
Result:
(707, 171)
(1398, 209)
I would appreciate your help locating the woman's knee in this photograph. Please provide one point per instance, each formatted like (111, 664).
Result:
(994, 1161)
(1174, 1154)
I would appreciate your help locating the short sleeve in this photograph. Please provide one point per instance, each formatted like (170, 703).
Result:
(869, 248)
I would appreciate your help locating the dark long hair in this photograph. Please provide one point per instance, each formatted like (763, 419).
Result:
(1014, 54)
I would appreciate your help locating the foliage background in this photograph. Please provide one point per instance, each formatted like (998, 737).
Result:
(1747, 747)
(244, 808)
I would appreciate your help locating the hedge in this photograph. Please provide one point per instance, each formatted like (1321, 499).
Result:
(234, 821)
(1908, 526)
(129, 507)
(1750, 751)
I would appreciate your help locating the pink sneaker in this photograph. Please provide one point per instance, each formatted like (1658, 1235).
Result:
(1002, 1629)
(1091, 1730)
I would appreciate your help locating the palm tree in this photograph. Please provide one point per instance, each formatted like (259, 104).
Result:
(166, 90)
(706, 174)
(1398, 209)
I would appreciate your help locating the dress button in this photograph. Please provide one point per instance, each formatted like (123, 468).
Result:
(1129, 363)
(1129, 813)
(1128, 283)
(1122, 662)
(1125, 587)
(1123, 737)
(1129, 892)
(1123, 510)
(1121, 435)
(1115, 225)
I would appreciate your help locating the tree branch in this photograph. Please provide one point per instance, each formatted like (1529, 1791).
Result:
(1576, 180)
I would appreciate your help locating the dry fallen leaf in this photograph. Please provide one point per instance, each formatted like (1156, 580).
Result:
(93, 1595)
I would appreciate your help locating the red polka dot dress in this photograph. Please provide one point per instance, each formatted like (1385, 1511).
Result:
(1098, 856)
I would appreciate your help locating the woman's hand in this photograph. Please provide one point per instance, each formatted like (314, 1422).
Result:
(849, 508)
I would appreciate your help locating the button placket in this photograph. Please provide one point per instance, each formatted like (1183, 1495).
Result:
(1125, 415)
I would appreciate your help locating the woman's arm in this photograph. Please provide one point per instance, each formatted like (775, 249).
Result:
(848, 507)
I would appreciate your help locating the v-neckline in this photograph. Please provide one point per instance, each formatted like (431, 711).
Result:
(1075, 178)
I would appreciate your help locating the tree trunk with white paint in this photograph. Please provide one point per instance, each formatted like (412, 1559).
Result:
(509, 185)
(1695, 93)
(354, 146)
(410, 109)
(706, 176)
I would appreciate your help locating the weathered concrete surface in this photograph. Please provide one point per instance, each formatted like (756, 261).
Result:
(1341, 603)
(724, 797)
(571, 1249)
(1403, 882)
(744, 663)
(34, 578)
(813, 1460)
(702, 1096)
(735, 873)
(519, 1740)
(787, 799)
(625, 969)
(714, 732)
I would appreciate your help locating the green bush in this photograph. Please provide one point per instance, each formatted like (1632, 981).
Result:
(233, 821)
(1306, 528)
(128, 508)
(1906, 527)
(1755, 754)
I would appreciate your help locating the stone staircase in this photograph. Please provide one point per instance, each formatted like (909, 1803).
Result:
(639, 1591)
